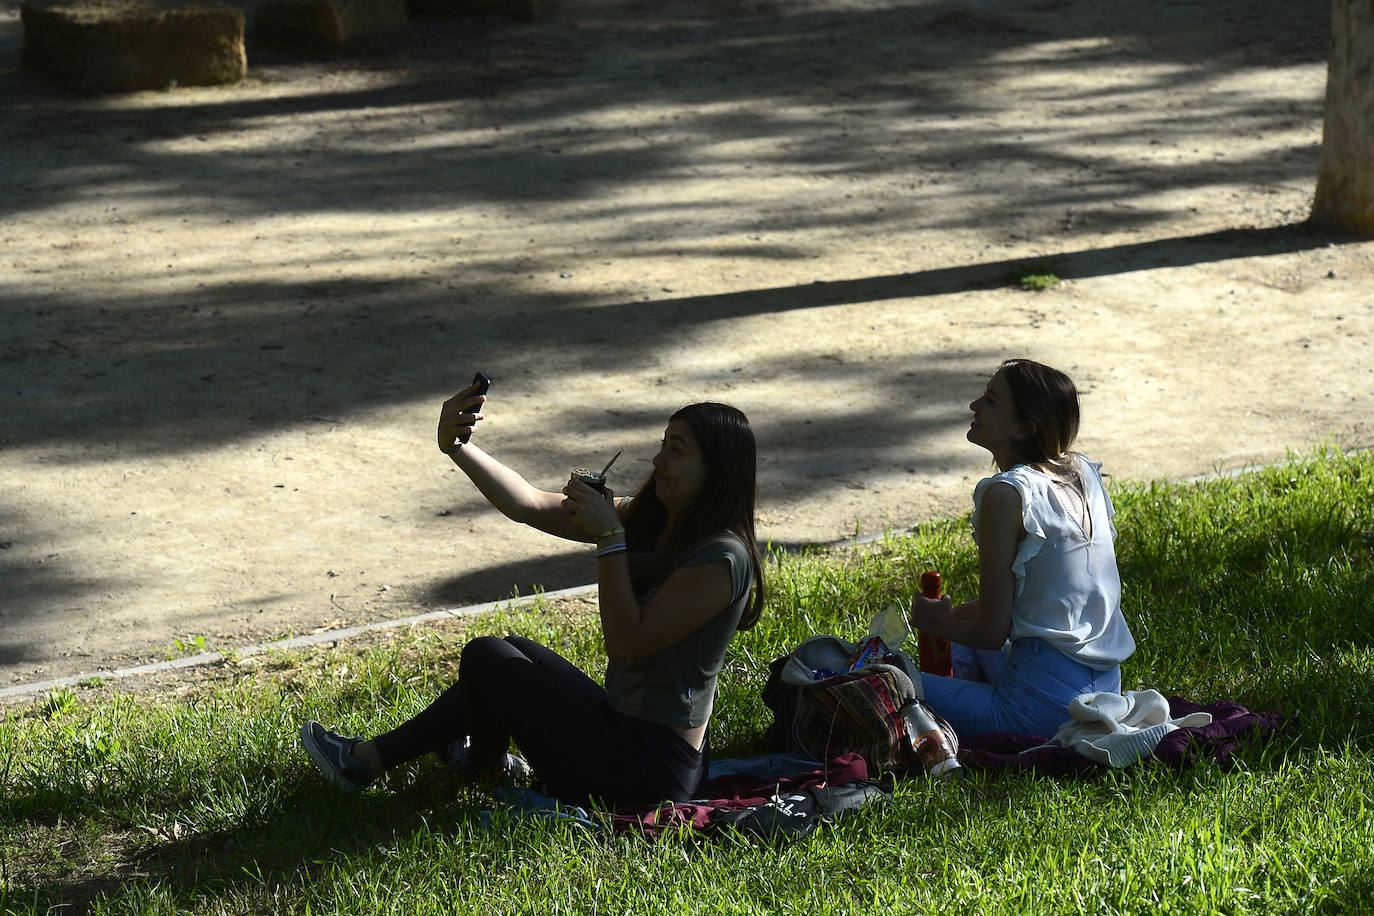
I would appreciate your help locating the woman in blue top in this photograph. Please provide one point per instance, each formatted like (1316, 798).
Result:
(678, 572)
(1046, 625)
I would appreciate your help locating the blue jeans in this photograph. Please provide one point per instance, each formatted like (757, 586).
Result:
(1031, 698)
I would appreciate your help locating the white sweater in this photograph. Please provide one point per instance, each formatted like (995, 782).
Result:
(1119, 729)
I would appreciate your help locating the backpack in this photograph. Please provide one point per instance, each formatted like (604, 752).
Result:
(876, 711)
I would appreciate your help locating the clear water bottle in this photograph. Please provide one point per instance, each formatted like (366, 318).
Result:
(934, 742)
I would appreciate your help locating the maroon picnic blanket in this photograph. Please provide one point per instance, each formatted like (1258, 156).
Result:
(1232, 725)
(791, 807)
(784, 808)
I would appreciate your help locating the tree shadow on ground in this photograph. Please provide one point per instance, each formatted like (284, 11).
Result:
(155, 401)
(321, 366)
(543, 88)
(461, 116)
(150, 370)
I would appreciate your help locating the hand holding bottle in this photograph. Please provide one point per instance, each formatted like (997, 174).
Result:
(933, 651)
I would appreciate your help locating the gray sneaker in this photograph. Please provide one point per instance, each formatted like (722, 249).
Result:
(455, 756)
(333, 754)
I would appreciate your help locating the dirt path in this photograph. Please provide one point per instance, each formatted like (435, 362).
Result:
(227, 316)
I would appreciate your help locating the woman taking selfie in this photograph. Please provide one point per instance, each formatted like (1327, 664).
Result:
(678, 573)
(1047, 623)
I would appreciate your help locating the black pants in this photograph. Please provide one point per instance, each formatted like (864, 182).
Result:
(582, 749)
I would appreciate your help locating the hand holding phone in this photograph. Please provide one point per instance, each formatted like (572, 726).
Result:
(456, 406)
(934, 652)
(483, 384)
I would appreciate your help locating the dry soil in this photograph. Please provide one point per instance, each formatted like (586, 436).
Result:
(228, 315)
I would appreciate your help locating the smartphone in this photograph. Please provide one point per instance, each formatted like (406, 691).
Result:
(483, 384)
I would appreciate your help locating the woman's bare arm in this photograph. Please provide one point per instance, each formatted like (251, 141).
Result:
(505, 489)
(516, 498)
(984, 622)
(687, 599)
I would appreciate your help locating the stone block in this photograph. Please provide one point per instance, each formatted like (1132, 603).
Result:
(129, 45)
(327, 25)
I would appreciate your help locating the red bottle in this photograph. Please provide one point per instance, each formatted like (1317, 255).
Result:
(932, 651)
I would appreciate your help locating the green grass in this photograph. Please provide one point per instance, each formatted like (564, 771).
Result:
(1039, 282)
(1258, 589)
(1037, 275)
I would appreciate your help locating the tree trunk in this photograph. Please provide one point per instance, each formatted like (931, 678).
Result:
(1345, 176)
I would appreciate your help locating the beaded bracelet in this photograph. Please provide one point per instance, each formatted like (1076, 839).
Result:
(612, 549)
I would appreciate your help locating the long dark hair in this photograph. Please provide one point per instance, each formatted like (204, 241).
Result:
(726, 503)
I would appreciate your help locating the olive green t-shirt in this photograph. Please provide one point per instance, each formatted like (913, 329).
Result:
(677, 685)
